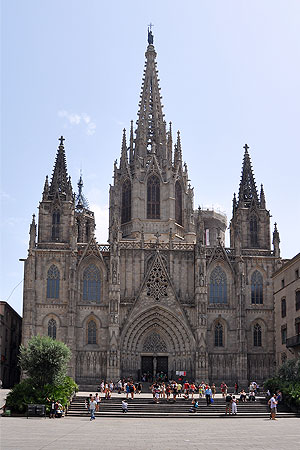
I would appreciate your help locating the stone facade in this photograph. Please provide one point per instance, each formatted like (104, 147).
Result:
(287, 310)
(165, 294)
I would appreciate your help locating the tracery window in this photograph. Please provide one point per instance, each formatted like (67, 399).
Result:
(91, 284)
(257, 335)
(253, 232)
(126, 202)
(92, 332)
(55, 225)
(218, 286)
(257, 288)
(178, 203)
(153, 198)
(53, 282)
(218, 335)
(52, 328)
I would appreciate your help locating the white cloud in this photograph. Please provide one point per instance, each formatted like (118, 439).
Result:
(79, 119)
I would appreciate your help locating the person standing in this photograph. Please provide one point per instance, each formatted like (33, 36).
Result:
(234, 405)
(228, 400)
(208, 395)
(273, 404)
(236, 388)
(93, 405)
(213, 390)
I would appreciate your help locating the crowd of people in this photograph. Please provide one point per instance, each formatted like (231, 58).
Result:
(171, 390)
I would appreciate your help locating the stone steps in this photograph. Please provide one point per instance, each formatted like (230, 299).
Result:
(145, 407)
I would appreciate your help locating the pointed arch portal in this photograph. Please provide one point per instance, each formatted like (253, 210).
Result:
(157, 341)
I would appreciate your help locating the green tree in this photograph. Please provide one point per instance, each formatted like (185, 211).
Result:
(45, 360)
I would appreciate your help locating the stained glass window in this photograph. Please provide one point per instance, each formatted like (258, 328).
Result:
(53, 282)
(257, 335)
(257, 288)
(91, 284)
(55, 225)
(218, 286)
(253, 232)
(52, 328)
(218, 335)
(92, 332)
(178, 203)
(153, 198)
(126, 202)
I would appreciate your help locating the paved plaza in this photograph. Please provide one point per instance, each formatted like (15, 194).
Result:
(145, 434)
(78, 433)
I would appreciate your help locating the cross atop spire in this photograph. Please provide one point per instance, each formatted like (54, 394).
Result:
(60, 183)
(150, 34)
(61, 139)
(247, 190)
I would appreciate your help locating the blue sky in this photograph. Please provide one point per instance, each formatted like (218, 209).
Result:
(229, 74)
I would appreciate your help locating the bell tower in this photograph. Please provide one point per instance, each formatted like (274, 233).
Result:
(151, 187)
(250, 223)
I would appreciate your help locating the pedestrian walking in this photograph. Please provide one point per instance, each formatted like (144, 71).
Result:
(273, 405)
(124, 406)
(213, 390)
(93, 405)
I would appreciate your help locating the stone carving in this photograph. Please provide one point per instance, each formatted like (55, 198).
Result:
(154, 344)
(157, 282)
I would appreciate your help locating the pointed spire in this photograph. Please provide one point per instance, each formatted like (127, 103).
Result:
(46, 189)
(32, 233)
(247, 190)
(276, 241)
(123, 160)
(262, 197)
(81, 201)
(151, 127)
(178, 151)
(59, 182)
(170, 143)
(131, 156)
(234, 204)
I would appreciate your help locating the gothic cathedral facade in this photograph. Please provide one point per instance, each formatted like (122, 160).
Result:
(165, 294)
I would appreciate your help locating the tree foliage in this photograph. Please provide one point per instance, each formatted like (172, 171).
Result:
(25, 393)
(44, 360)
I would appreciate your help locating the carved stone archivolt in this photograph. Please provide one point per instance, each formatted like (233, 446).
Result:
(154, 344)
(173, 332)
(157, 282)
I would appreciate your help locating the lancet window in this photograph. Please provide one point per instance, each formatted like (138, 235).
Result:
(92, 332)
(126, 202)
(91, 284)
(52, 328)
(219, 335)
(253, 232)
(257, 288)
(153, 198)
(178, 203)
(257, 335)
(53, 282)
(55, 225)
(218, 286)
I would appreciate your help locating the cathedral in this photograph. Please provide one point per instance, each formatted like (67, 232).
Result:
(165, 295)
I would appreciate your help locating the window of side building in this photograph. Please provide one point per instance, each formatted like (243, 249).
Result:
(283, 334)
(283, 307)
(297, 300)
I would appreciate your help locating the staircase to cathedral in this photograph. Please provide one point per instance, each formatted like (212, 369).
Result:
(145, 407)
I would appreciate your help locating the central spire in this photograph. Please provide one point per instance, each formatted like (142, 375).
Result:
(151, 128)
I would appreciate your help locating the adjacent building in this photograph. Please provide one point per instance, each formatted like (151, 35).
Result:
(166, 294)
(10, 340)
(287, 310)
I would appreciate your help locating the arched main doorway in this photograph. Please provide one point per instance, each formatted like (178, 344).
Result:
(155, 342)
